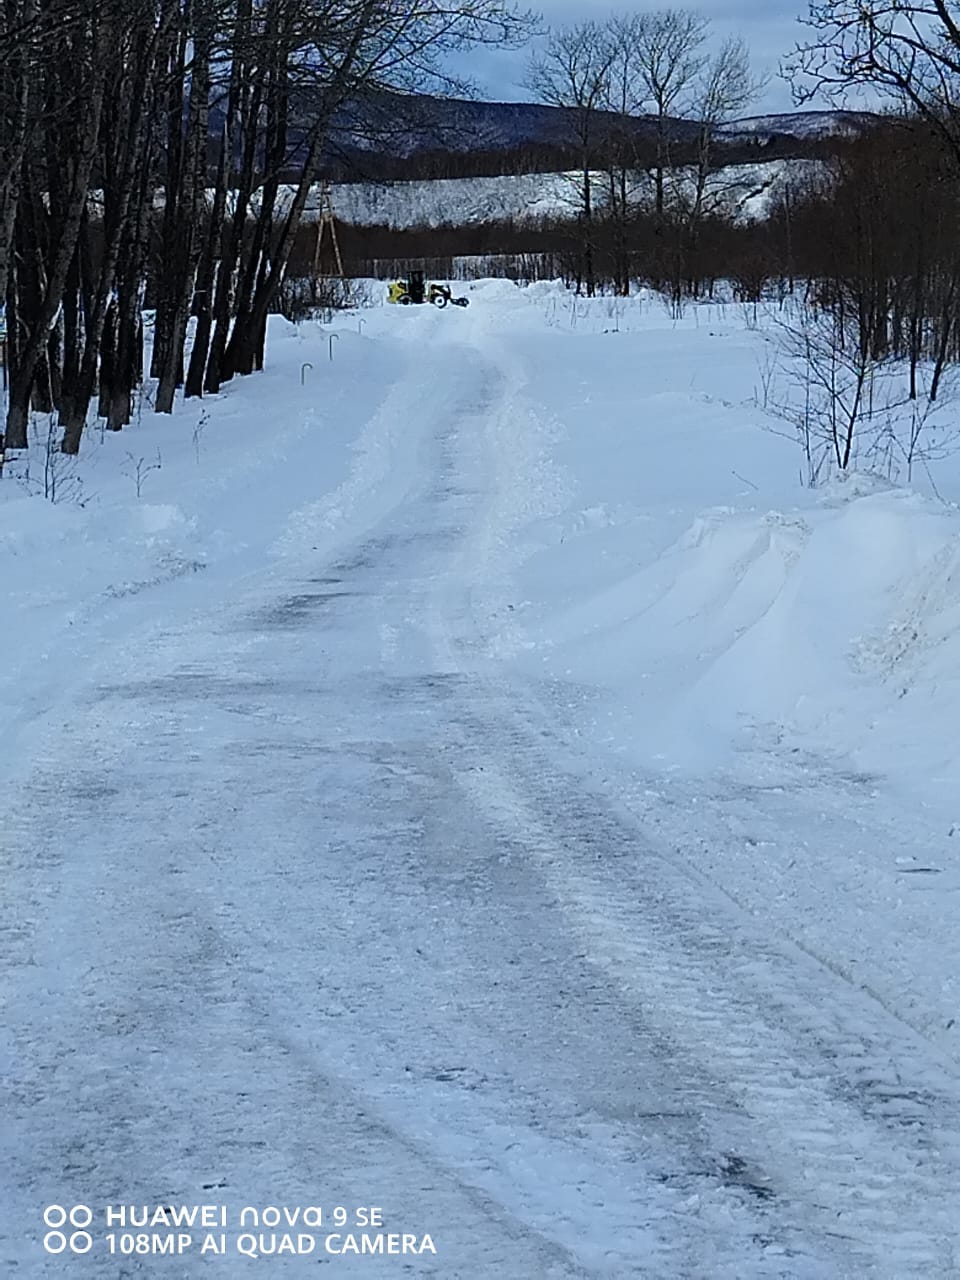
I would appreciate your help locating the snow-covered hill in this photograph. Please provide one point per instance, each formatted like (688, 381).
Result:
(742, 191)
(803, 126)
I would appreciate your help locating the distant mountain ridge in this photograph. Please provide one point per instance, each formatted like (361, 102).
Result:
(802, 125)
(465, 124)
(399, 129)
(393, 136)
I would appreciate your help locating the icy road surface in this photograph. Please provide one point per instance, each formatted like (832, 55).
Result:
(310, 901)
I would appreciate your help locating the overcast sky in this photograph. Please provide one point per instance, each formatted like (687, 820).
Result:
(770, 28)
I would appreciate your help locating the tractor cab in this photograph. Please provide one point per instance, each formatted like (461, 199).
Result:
(415, 290)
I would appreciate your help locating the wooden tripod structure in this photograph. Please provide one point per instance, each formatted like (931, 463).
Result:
(326, 222)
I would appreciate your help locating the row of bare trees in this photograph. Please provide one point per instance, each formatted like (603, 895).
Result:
(888, 269)
(657, 64)
(900, 198)
(142, 144)
(871, 225)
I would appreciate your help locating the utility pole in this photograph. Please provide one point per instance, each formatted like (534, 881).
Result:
(326, 221)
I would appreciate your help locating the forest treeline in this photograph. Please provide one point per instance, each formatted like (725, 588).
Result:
(111, 194)
(160, 154)
(870, 229)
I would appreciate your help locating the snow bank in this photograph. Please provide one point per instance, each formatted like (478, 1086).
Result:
(768, 678)
(834, 626)
(721, 606)
(174, 508)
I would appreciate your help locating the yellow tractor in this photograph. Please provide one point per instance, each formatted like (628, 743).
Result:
(415, 290)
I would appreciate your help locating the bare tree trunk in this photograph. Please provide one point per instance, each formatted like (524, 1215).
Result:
(15, 81)
(207, 275)
(127, 367)
(249, 328)
(73, 179)
(124, 162)
(190, 195)
(232, 257)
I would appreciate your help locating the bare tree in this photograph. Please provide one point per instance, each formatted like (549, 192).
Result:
(843, 405)
(669, 49)
(907, 49)
(104, 101)
(125, 157)
(76, 75)
(16, 77)
(831, 394)
(346, 50)
(724, 89)
(626, 98)
(574, 73)
(190, 61)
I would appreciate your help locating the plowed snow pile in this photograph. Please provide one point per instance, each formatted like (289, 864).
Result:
(838, 625)
(723, 606)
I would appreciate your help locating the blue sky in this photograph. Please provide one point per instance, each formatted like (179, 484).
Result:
(770, 28)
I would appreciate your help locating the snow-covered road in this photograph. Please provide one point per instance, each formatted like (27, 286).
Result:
(311, 898)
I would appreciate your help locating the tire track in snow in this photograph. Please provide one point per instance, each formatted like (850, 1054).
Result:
(849, 1121)
(845, 1120)
(160, 1012)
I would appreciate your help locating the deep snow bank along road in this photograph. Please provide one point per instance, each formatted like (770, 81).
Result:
(310, 904)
